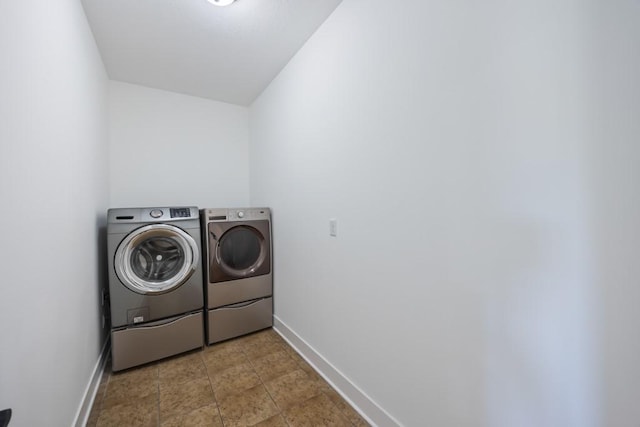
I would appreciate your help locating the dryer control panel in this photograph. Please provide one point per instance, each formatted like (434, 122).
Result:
(236, 214)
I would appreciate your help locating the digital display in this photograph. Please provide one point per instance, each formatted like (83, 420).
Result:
(180, 212)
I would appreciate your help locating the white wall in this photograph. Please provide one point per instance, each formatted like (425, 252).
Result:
(168, 149)
(482, 162)
(53, 193)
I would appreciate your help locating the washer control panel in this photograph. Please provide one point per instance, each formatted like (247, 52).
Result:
(152, 214)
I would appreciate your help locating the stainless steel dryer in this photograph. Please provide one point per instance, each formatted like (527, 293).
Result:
(155, 283)
(238, 271)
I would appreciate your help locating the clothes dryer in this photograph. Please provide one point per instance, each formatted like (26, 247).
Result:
(238, 271)
(155, 283)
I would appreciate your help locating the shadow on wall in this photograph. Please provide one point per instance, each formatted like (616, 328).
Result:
(540, 329)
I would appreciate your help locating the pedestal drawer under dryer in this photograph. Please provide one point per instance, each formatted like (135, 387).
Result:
(238, 319)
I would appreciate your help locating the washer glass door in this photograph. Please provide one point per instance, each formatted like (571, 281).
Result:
(156, 258)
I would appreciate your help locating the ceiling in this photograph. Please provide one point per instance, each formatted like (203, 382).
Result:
(227, 54)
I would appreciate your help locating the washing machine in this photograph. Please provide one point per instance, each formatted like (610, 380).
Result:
(238, 271)
(155, 283)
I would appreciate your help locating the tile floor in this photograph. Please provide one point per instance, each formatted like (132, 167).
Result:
(255, 380)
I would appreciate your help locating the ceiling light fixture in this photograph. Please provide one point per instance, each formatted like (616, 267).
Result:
(221, 2)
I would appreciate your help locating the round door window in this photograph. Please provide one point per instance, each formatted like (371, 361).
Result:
(241, 250)
(156, 258)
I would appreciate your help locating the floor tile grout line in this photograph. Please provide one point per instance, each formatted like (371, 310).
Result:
(301, 364)
(280, 410)
(262, 382)
(250, 348)
(159, 420)
(301, 368)
(215, 396)
(191, 380)
(213, 392)
(104, 381)
(264, 385)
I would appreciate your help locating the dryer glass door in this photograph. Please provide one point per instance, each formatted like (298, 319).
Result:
(242, 250)
(156, 258)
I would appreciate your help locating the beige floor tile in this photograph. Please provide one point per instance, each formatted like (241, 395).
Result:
(292, 388)
(274, 365)
(181, 369)
(262, 336)
(273, 335)
(317, 411)
(246, 381)
(125, 387)
(275, 421)
(292, 351)
(207, 416)
(222, 347)
(181, 399)
(141, 413)
(97, 402)
(224, 359)
(347, 410)
(295, 356)
(92, 420)
(360, 422)
(248, 408)
(234, 380)
(136, 374)
(312, 373)
(258, 349)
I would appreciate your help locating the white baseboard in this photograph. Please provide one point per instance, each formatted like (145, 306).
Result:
(366, 407)
(84, 410)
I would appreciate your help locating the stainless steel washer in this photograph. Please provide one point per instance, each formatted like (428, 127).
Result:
(155, 283)
(238, 271)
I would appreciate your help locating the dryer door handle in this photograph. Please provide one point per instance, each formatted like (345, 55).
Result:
(211, 246)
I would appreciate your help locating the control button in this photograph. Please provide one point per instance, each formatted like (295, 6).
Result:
(240, 214)
(156, 213)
